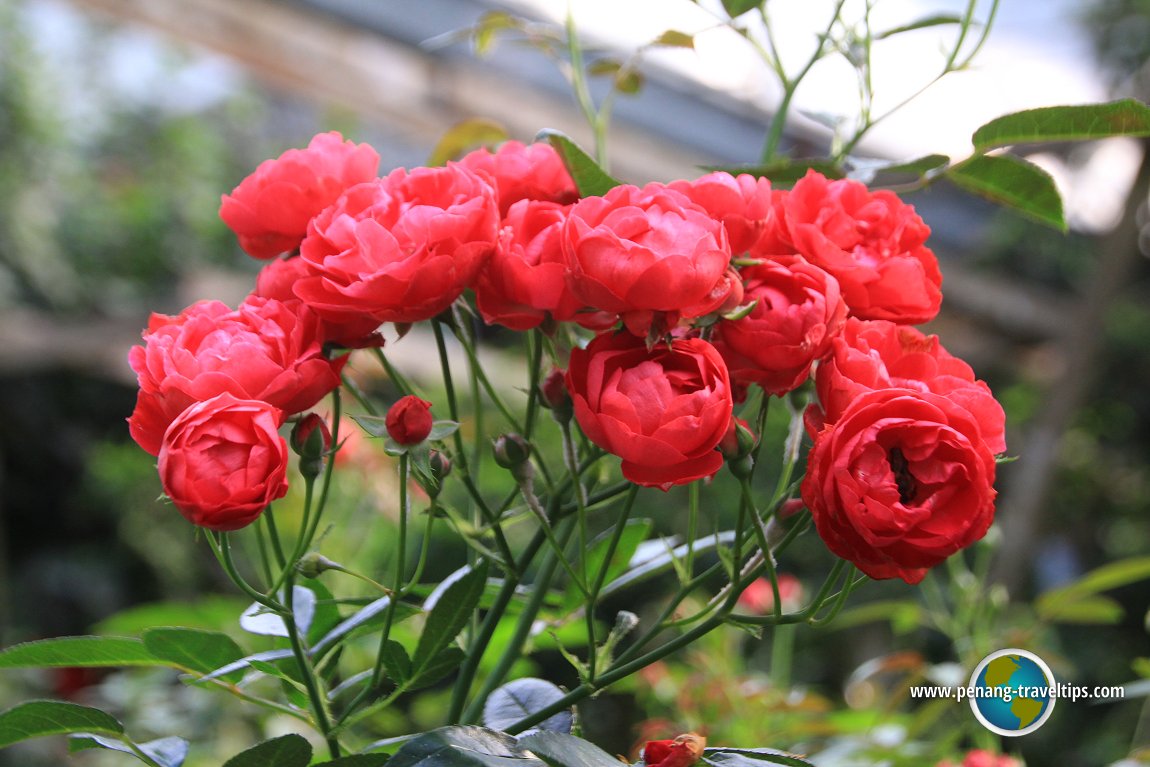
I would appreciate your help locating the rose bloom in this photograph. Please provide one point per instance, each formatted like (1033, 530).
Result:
(759, 597)
(902, 480)
(642, 252)
(531, 172)
(872, 242)
(663, 411)
(523, 283)
(266, 349)
(269, 211)
(223, 461)
(981, 758)
(683, 751)
(878, 355)
(409, 420)
(400, 249)
(742, 203)
(799, 312)
(277, 280)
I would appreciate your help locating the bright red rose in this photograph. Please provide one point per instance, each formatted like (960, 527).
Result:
(798, 314)
(742, 203)
(270, 209)
(872, 242)
(879, 355)
(523, 283)
(644, 252)
(683, 751)
(223, 461)
(399, 249)
(266, 349)
(531, 172)
(409, 420)
(277, 280)
(758, 597)
(900, 482)
(663, 411)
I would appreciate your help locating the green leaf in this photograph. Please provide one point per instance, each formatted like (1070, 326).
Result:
(1085, 610)
(558, 749)
(326, 615)
(358, 760)
(38, 718)
(673, 38)
(258, 619)
(463, 747)
(520, 698)
(284, 751)
(921, 169)
(903, 615)
(449, 613)
(739, 7)
(751, 757)
(166, 752)
(784, 172)
(448, 660)
(374, 425)
(929, 21)
(396, 661)
(1108, 576)
(585, 172)
(489, 25)
(1141, 667)
(85, 651)
(366, 617)
(464, 136)
(1013, 182)
(216, 613)
(629, 81)
(634, 533)
(1127, 117)
(199, 652)
(442, 429)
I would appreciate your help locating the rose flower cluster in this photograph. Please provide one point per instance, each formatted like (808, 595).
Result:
(694, 292)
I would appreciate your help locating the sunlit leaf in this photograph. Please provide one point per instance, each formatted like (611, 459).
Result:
(258, 619)
(1085, 610)
(489, 26)
(673, 38)
(193, 649)
(751, 757)
(463, 747)
(38, 718)
(465, 136)
(558, 749)
(85, 651)
(166, 752)
(739, 7)
(1127, 117)
(925, 23)
(521, 698)
(1014, 183)
(588, 176)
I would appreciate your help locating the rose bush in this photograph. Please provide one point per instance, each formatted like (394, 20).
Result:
(266, 349)
(902, 480)
(270, 209)
(663, 410)
(223, 461)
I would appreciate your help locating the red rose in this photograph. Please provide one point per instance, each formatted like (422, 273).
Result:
(879, 355)
(524, 282)
(872, 242)
(266, 349)
(409, 420)
(742, 203)
(270, 209)
(683, 751)
(641, 252)
(663, 411)
(531, 172)
(901, 481)
(981, 758)
(277, 280)
(759, 596)
(798, 314)
(399, 249)
(223, 461)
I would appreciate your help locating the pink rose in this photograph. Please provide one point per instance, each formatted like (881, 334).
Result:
(649, 255)
(222, 461)
(277, 280)
(799, 312)
(270, 209)
(878, 355)
(871, 242)
(531, 172)
(400, 249)
(663, 410)
(742, 203)
(266, 349)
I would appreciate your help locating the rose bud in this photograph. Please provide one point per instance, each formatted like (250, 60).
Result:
(409, 420)
(311, 441)
(554, 395)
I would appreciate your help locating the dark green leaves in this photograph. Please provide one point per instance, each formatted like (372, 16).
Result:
(194, 650)
(521, 698)
(1012, 182)
(285, 751)
(38, 718)
(751, 757)
(448, 615)
(166, 752)
(559, 749)
(86, 651)
(588, 176)
(1068, 123)
(463, 747)
(739, 7)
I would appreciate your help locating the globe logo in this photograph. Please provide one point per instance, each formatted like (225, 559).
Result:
(1012, 692)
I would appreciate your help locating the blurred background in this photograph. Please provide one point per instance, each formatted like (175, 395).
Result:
(122, 122)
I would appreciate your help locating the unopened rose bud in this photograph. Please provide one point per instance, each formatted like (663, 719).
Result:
(314, 563)
(511, 450)
(789, 508)
(409, 420)
(554, 395)
(438, 467)
(738, 441)
(311, 441)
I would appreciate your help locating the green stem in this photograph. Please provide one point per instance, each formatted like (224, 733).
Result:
(582, 92)
(601, 576)
(307, 671)
(221, 547)
(400, 565)
(393, 373)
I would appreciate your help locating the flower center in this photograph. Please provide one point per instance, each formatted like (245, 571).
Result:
(905, 482)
